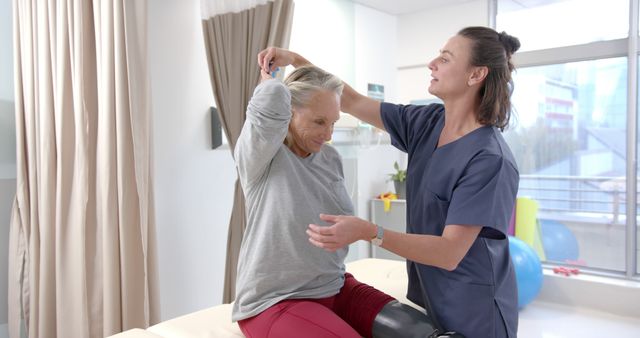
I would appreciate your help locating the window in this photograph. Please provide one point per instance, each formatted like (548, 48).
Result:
(555, 23)
(570, 133)
(569, 141)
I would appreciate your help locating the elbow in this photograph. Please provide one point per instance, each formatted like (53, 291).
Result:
(451, 264)
(450, 267)
(445, 262)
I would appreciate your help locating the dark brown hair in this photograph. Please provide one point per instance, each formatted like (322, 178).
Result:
(493, 50)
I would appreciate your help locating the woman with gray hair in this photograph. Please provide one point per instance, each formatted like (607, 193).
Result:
(285, 286)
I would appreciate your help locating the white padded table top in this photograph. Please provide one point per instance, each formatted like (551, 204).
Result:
(215, 322)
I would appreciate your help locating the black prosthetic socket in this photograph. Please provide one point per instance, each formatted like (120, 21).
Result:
(400, 320)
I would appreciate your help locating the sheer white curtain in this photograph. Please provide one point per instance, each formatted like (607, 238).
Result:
(82, 237)
(235, 31)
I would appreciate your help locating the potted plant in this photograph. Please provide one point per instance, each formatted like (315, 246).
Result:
(399, 180)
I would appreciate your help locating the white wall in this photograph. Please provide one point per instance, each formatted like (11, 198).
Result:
(323, 32)
(359, 44)
(376, 52)
(193, 184)
(420, 37)
(376, 56)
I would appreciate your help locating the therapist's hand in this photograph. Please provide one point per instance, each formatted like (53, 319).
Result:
(343, 231)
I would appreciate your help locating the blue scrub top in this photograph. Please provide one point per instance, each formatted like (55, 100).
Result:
(471, 181)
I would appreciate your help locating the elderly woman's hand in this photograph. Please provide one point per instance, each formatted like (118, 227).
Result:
(343, 231)
(271, 58)
(264, 76)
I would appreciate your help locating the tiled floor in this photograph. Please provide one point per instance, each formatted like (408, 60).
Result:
(549, 320)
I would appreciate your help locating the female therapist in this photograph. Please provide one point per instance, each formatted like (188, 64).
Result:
(461, 185)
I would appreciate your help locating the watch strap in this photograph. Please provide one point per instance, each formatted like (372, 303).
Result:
(377, 240)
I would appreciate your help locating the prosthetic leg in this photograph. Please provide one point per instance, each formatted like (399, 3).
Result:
(401, 320)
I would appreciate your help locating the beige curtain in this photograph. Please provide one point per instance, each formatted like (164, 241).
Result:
(233, 37)
(82, 238)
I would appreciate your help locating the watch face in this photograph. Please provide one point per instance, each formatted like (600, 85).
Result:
(377, 241)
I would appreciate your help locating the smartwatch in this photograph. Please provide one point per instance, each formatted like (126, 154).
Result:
(377, 241)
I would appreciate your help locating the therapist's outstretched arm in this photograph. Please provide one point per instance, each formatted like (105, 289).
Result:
(351, 102)
(446, 251)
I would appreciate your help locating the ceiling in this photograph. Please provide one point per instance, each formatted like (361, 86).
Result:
(399, 7)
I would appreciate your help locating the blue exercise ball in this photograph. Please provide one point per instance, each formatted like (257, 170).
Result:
(559, 243)
(528, 270)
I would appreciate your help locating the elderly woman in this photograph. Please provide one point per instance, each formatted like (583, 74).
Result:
(286, 287)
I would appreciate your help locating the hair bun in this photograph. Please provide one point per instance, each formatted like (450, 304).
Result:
(511, 44)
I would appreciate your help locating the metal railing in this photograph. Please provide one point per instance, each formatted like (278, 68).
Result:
(602, 196)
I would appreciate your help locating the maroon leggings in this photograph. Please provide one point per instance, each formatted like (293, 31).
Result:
(350, 313)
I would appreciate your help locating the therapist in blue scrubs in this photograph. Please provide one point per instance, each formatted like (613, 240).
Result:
(461, 185)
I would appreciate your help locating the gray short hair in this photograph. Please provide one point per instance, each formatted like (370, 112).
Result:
(305, 81)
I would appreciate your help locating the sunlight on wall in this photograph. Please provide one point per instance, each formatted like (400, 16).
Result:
(323, 32)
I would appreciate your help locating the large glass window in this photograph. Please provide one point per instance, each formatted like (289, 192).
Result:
(543, 24)
(570, 134)
(568, 138)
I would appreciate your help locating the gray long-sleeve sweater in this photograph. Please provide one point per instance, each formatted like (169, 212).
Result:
(284, 193)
